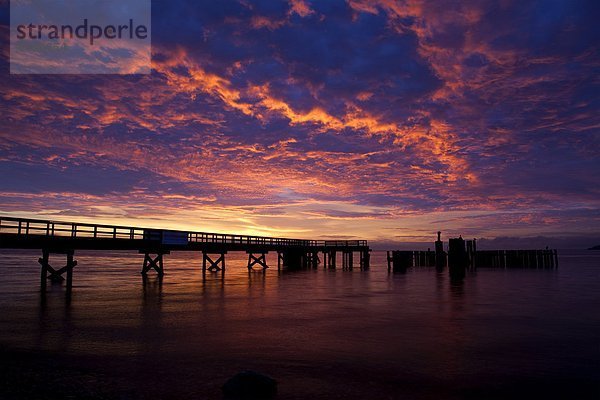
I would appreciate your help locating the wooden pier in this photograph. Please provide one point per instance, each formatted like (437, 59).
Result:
(64, 238)
(545, 259)
(463, 255)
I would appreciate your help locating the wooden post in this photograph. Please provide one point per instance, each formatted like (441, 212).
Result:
(401, 260)
(347, 259)
(440, 255)
(389, 261)
(365, 259)
(70, 266)
(47, 272)
(315, 259)
(332, 259)
(44, 263)
(457, 258)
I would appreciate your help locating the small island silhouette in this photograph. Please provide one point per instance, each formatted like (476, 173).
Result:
(595, 248)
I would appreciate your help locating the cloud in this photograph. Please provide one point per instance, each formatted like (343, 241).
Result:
(301, 8)
(368, 118)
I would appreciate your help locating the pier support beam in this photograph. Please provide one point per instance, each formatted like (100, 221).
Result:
(347, 259)
(55, 275)
(331, 259)
(315, 259)
(292, 259)
(310, 259)
(213, 265)
(260, 260)
(153, 259)
(365, 259)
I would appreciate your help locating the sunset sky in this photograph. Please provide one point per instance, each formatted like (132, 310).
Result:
(376, 119)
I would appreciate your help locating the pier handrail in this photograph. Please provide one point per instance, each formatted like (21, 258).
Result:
(38, 227)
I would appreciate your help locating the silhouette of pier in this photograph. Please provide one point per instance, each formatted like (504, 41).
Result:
(463, 255)
(64, 238)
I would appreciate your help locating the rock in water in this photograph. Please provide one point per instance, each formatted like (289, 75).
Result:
(250, 385)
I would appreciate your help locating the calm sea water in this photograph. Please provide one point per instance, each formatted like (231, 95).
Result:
(320, 333)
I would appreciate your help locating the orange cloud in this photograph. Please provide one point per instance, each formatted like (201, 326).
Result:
(300, 7)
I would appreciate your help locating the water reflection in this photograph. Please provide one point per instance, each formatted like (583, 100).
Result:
(311, 328)
(457, 288)
(151, 329)
(211, 275)
(257, 279)
(55, 324)
(152, 287)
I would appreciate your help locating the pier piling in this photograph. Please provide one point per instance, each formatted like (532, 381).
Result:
(365, 259)
(457, 258)
(261, 260)
(155, 262)
(440, 255)
(55, 275)
(213, 265)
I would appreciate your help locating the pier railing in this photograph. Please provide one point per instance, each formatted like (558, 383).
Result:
(30, 227)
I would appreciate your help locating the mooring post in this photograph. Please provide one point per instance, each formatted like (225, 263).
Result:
(457, 258)
(401, 260)
(440, 255)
